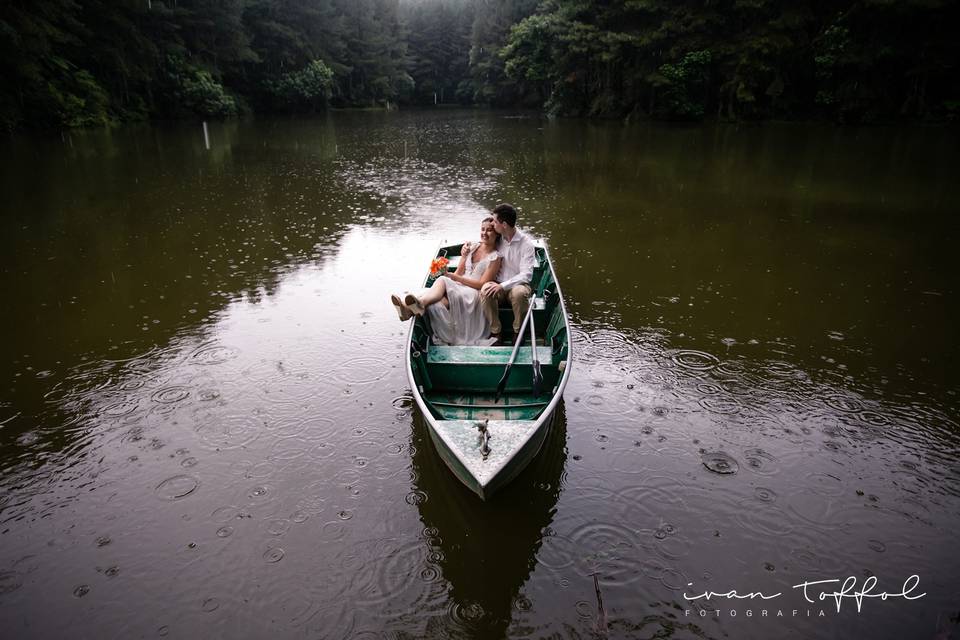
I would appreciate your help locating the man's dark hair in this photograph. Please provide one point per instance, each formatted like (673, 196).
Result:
(506, 214)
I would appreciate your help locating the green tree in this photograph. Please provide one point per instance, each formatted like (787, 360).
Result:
(683, 86)
(67, 63)
(489, 82)
(438, 49)
(375, 46)
(306, 90)
(194, 90)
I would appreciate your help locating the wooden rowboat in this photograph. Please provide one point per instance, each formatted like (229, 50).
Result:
(484, 440)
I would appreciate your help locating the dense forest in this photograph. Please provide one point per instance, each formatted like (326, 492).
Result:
(74, 63)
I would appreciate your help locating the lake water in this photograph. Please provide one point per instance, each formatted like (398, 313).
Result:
(206, 429)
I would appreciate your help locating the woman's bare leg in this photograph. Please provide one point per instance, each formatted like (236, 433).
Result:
(434, 294)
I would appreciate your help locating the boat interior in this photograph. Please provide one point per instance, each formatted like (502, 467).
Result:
(460, 382)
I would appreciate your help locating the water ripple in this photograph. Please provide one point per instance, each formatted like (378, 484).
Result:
(231, 431)
(723, 405)
(213, 354)
(361, 370)
(761, 462)
(177, 487)
(398, 572)
(608, 549)
(692, 360)
(720, 462)
(169, 395)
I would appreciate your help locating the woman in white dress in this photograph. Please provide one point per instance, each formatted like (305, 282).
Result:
(453, 302)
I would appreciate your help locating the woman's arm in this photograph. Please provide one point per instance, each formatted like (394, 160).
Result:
(488, 275)
(462, 265)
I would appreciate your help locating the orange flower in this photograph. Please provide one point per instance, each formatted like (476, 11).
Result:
(438, 266)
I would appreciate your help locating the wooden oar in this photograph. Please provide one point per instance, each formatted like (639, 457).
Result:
(537, 375)
(513, 356)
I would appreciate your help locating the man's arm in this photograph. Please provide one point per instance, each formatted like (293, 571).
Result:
(488, 275)
(528, 260)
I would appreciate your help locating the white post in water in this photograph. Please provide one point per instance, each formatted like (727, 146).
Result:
(149, 4)
(434, 97)
(206, 135)
(404, 149)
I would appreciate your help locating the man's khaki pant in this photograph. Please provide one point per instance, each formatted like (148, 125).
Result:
(519, 297)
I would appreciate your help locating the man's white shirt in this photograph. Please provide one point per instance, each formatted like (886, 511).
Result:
(519, 260)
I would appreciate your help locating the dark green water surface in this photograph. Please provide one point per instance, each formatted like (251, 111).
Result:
(206, 429)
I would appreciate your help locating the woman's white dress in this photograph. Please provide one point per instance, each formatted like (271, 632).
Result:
(464, 323)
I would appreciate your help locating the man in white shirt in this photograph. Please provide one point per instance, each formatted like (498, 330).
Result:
(516, 271)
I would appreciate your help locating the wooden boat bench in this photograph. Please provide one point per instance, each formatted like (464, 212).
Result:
(468, 368)
(497, 356)
(462, 377)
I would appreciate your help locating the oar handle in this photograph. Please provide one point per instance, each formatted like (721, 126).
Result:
(523, 330)
(513, 355)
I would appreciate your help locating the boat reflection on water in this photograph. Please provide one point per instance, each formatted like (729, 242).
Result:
(486, 551)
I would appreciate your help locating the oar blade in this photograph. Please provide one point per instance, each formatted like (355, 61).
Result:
(513, 355)
(503, 383)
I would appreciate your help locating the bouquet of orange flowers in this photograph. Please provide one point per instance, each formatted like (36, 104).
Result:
(438, 267)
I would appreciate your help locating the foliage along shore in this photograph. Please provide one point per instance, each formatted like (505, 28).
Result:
(78, 63)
